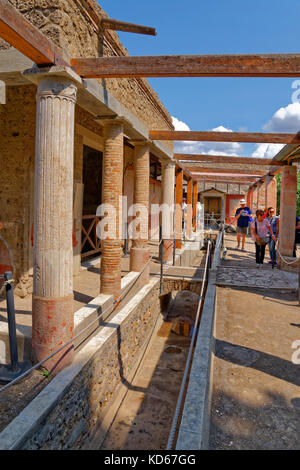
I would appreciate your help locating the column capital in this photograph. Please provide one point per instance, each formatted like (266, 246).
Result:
(112, 120)
(139, 143)
(168, 163)
(56, 73)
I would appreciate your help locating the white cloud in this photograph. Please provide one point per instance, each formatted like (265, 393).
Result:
(206, 148)
(267, 150)
(179, 125)
(285, 119)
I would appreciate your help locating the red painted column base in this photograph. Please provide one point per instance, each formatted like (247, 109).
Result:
(52, 326)
(168, 250)
(138, 258)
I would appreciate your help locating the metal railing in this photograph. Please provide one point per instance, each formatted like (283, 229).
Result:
(213, 221)
(15, 369)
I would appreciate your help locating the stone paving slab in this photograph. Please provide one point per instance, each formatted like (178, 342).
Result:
(252, 277)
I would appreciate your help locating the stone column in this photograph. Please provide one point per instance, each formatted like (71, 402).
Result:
(288, 202)
(52, 306)
(195, 200)
(139, 253)
(112, 185)
(271, 192)
(255, 199)
(189, 202)
(261, 196)
(178, 209)
(168, 189)
(250, 198)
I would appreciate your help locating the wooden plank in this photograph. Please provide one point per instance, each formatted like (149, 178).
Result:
(247, 65)
(212, 136)
(109, 23)
(225, 175)
(226, 170)
(225, 179)
(27, 39)
(186, 172)
(224, 159)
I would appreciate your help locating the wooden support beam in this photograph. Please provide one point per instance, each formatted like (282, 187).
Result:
(27, 39)
(227, 182)
(224, 159)
(232, 171)
(225, 175)
(108, 23)
(254, 65)
(186, 172)
(212, 136)
(225, 179)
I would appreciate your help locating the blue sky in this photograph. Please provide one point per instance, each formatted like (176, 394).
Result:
(219, 27)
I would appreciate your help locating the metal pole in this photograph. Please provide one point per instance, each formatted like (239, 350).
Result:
(13, 346)
(15, 368)
(125, 247)
(161, 256)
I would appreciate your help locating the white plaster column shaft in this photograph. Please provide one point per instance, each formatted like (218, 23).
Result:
(168, 188)
(53, 217)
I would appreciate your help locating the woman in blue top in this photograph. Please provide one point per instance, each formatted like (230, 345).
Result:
(274, 224)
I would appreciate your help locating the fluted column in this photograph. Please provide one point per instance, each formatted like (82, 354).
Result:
(52, 309)
(168, 183)
(112, 185)
(139, 253)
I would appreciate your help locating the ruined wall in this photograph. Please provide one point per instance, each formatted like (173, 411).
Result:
(68, 411)
(72, 25)
(78, 413)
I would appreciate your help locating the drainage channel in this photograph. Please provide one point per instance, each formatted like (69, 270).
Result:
(145, 417)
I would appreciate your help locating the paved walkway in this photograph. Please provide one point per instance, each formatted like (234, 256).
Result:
(256, 394)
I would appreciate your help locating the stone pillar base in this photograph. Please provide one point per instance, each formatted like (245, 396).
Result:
(292, 268)
(52, 326)
(138, 258)
(168, 250)
(111, 268)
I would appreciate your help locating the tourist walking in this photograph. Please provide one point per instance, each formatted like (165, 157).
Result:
(260, 234)
(243, 217)
(274, 224)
